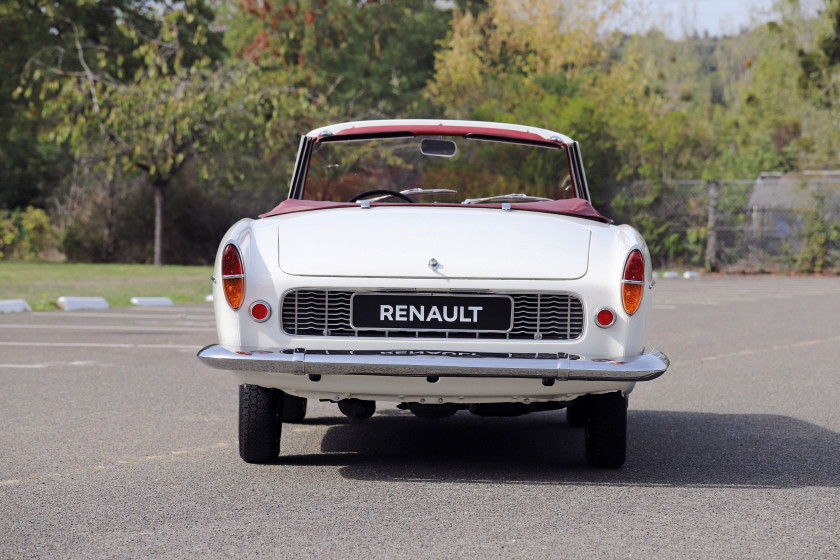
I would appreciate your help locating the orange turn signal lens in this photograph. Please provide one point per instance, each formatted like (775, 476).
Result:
(631, 297)
(233, 276)
(633, 282)
(234, 291)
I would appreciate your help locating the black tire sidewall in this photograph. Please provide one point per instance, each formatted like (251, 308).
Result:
(577, 413)
(606, 430)
(260, 426)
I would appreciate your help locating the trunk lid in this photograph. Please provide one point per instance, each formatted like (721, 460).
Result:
(400, 242)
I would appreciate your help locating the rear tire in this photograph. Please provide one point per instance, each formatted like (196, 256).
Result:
(294, 409)
(606, 431)
(260, 411)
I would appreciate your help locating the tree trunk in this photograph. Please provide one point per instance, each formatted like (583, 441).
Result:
(160, 201)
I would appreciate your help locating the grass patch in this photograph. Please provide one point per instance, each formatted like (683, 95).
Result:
(41, 284)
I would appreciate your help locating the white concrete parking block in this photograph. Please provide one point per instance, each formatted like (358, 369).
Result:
(14, 306)
(81, 303)
(209, 298)
(152, 301)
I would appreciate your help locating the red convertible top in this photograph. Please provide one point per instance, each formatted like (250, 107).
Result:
(576, 207)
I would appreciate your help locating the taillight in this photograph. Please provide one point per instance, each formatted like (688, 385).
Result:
(633, 282)
(233, 276)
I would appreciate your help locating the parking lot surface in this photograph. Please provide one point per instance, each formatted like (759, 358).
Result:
(116, 442)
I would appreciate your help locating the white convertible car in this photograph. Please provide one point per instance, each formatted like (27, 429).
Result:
(442, 266)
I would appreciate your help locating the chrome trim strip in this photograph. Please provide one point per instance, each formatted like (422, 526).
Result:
(423, 363)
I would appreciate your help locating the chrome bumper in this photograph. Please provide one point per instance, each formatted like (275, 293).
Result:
(417, 363)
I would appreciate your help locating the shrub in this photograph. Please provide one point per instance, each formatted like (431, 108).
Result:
(820, 234)
(26, 234)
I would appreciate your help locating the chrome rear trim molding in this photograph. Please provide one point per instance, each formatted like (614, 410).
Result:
(424, 363)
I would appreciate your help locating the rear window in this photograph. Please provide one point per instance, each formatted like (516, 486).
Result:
(446, 169)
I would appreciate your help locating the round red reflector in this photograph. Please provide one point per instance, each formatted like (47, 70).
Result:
(605, 318)
(260, 311)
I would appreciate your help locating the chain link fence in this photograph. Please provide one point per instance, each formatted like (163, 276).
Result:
(775, 223)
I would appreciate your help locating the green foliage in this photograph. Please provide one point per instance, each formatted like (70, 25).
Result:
(367, 57)
(820, 235)
(113, 227)
(8, 232)
(152, 107)
(694, 245)
(172, 95)
(31, 30)
(26, 234)
(818, 64)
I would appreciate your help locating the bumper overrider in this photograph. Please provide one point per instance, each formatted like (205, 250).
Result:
(425, 363)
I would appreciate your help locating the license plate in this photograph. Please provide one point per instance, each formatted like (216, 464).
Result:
(431, 312)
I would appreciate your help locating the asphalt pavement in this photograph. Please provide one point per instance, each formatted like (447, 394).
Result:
(115, 442)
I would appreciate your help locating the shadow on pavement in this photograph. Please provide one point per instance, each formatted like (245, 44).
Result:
(664, 448)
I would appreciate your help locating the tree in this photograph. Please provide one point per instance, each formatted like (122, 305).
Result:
(31, 29)
(819, 85)
(370, 57)
(631, 101)
(516, 49)
(154, 102)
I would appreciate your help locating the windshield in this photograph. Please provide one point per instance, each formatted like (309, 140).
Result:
(437, 169)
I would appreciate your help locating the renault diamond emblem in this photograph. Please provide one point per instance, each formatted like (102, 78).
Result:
(433, 264)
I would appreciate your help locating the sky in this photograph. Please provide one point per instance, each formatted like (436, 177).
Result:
(718, 17)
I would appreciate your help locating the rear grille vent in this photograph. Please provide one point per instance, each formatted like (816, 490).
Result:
(540, 316)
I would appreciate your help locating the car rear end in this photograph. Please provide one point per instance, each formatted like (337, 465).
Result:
(499, 304)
